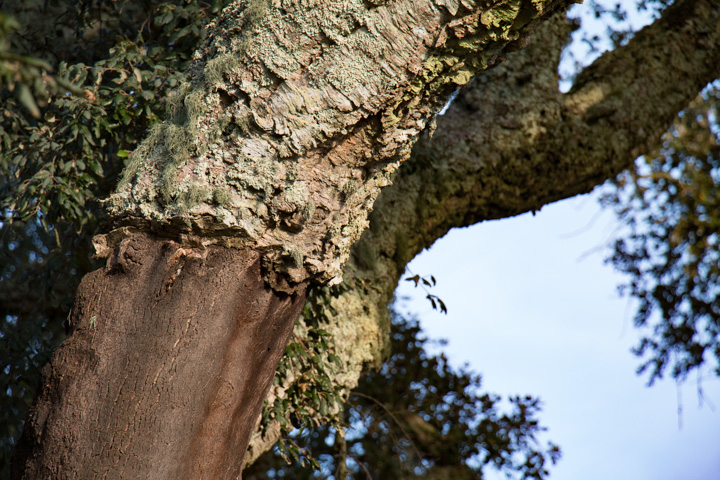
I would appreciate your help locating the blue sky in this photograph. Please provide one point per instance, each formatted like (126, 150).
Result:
(535, 310)
(533, 307)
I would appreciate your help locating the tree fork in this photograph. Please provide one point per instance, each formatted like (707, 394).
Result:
(291, 121)
(192, 338)
(512, 142)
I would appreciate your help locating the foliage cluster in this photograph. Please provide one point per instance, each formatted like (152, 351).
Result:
(81, 82)
(305, 372)
(74, 151)
(417, 417)
(671, 249)
(27, 76)
(426, 283)
(669, 205)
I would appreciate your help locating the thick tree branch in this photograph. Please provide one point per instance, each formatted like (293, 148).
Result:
(293, 119)
(511, 143)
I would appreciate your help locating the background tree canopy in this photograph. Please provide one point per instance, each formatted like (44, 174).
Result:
(83, 81)
(670, 250)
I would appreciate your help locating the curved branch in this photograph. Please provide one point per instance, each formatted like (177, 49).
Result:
(511, 143)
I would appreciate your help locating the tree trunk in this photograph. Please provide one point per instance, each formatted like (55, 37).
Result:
(511, 142)
(290, 123)
(171, 357)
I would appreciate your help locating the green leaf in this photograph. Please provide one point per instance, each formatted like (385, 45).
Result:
(28, 101)
(96, 168)
(165, 19)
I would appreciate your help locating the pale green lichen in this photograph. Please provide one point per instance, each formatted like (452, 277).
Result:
(296, 193)
(175, 107)
(296, 256)
(504, 15)
(349, 187)
(245, 124)
(253, 172)
(195, 107)
(255, 11)
(141, 155)
(223, 196)
(177, 142)
(192, 197)
(250, 189)
(168, 182)
(216, 68)
(243, 45)
(445, 67)
(217, 131)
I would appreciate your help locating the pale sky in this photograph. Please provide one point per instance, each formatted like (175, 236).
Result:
(534, 309)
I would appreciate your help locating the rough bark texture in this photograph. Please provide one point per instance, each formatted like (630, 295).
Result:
(511, 143)
(248, 161)
(292, 119)
(172, 354)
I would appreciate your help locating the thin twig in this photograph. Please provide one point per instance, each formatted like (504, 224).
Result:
(395, 419)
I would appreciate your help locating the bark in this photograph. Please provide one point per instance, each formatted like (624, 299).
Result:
(511, 143)
(290, 122)
(172, 354)
(293, 118)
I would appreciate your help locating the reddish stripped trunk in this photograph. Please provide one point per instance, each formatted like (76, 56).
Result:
(193, 337)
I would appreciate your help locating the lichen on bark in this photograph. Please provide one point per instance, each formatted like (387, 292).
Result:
(293, 118)
(512, 142)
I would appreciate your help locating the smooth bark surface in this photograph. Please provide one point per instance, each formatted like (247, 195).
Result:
(171, 357)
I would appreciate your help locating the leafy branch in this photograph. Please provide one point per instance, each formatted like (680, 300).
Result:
(425, 283)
